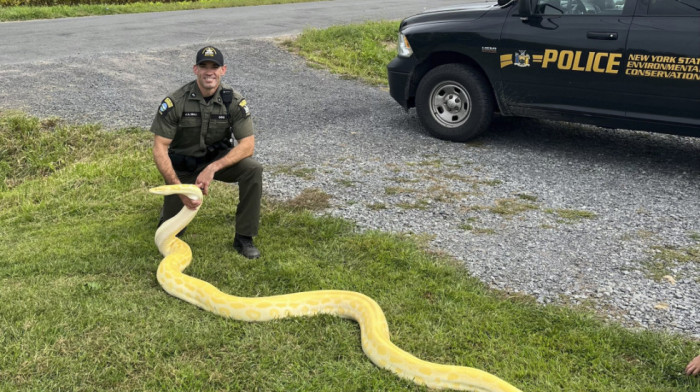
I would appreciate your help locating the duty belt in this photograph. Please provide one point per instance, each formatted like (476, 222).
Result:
(188, 163)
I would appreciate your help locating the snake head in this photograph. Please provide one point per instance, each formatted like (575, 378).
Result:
(189, 190)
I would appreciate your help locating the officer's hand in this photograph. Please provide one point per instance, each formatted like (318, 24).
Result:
(204, 179)
(189, 203)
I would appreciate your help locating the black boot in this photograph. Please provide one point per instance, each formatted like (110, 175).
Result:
(244, 245)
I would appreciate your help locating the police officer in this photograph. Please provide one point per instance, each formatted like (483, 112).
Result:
(194, 131)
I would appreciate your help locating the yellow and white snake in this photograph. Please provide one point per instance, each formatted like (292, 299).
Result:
(348, 304)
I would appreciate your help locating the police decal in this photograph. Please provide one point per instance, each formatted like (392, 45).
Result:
(522, 59)
(566, 60)
(165, 106)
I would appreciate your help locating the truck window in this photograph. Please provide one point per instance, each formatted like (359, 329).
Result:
(581, 7)
(674, 8)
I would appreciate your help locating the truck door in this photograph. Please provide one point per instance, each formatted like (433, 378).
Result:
(663, 62)
(568, 57)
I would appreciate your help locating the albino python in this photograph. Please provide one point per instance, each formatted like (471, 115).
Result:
(348, 304)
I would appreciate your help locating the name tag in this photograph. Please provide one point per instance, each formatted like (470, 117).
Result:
(192, 114)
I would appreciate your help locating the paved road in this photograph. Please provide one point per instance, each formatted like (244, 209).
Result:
(49, 39)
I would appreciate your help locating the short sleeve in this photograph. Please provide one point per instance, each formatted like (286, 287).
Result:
(165, 121)
(242, 120)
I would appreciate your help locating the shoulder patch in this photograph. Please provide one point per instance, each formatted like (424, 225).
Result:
(165, 106)
(244, 108)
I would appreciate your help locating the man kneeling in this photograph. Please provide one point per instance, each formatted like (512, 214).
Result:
(203, 132)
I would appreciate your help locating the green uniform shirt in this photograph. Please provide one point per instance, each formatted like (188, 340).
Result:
(193, 124)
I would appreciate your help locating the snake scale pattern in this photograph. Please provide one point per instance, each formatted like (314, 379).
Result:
(364, 310)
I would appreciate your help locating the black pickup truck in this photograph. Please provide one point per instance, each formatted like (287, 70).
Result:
(632, 64)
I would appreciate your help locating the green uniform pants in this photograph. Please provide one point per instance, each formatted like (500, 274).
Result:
(248, 174)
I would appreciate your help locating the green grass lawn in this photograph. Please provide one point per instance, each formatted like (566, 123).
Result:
(82, 311)
(15, 13)
(359, 51)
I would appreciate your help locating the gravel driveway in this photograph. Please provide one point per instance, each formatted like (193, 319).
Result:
(567, 213)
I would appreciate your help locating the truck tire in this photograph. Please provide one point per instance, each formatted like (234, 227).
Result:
(454, 102)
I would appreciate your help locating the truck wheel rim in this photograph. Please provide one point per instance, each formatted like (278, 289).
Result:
(450, 104)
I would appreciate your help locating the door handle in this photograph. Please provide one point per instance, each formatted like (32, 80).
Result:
(601, 35)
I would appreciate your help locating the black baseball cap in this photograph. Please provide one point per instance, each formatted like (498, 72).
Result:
(210, 53)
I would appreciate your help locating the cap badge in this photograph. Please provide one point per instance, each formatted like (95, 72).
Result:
(209, 52)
